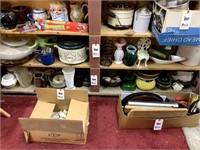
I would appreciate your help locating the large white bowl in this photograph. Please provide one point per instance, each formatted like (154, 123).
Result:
(14, 53)
(173, 60)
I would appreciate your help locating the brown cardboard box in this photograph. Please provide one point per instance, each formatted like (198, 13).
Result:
(39, 127)
(147, 118)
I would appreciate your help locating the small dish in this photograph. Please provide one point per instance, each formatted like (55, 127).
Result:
(173, 60)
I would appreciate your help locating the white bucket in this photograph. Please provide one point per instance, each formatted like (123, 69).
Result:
(141, 20)
(191, 53)
(69, 77)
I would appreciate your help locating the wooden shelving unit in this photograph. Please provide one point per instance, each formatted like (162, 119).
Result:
(97, 32)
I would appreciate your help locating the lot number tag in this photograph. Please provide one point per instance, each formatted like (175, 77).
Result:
(185, 21)
(93, 79)
(60, 94)
(95, 50)
(158, 124)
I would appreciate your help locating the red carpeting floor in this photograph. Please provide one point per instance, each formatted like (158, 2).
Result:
(103, 129)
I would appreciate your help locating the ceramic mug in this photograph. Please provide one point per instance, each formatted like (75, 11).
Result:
(40, 80)
(38, 14)
(45, 56)
(21, 13)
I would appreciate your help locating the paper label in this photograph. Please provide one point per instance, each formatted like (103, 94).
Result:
(158, 124)
(93, 79)
(60, 94)
(95, 50)
(185, 21)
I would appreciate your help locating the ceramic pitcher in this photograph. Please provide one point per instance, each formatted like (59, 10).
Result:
(77, 12)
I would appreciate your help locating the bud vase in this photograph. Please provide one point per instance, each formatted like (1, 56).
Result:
(119, 53)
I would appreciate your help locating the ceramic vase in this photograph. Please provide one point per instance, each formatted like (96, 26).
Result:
(130, 55)
(119, 53)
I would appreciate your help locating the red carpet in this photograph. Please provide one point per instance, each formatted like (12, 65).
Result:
(103, 129)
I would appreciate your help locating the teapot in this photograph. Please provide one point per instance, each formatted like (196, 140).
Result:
(38, 14)
(77, 12)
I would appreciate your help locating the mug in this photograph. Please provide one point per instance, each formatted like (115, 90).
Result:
(40, 80)
(21, 13)
(38, 15)
(45, 56)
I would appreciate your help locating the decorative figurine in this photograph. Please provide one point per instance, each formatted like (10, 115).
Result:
(143, 45)
(58, 11)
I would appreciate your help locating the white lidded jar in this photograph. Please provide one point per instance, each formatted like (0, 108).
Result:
(141, 20)
(191, 53)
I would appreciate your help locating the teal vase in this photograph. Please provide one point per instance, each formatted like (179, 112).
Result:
(130, 55)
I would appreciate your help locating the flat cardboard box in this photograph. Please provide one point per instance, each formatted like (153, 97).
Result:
(147, 118)
(39, 127)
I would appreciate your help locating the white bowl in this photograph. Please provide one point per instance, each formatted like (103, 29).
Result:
(9, 80)
(184, 76)
(173, 60)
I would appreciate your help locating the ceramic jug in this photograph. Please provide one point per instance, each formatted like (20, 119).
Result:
(40, 80)
(38, 14)
(130, 56)
(77, 12)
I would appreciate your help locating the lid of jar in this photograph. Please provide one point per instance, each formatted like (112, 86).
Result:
(144, 11)
(121, 5)
(70, 43)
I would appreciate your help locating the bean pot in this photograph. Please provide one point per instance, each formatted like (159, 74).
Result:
(120, 14)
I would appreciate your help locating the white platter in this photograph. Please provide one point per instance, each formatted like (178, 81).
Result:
(173, 60)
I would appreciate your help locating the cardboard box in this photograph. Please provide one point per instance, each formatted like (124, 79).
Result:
(175, 26)
(40, 127)
(149, 118)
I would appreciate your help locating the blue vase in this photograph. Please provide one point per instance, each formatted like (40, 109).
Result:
(130, 55)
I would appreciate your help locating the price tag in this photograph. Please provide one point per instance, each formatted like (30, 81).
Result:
(95, 50)
(60, 94)
(186, 19)
(93, 79)
(158, 124)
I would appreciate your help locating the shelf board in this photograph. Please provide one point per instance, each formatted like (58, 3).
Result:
(43, 32)
(152, 66)
(57, 64)
(104, 91)
(106, 31)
